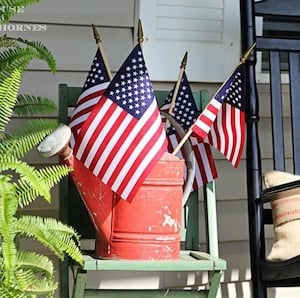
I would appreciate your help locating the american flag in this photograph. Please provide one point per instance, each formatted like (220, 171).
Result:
(185, 112)
(94, 87)
(206, 119)
(123, 138)
(228, 131)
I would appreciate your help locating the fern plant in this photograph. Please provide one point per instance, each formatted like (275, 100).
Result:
(26, 273)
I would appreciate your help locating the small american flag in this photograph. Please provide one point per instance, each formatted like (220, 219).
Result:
(228, 131)
(94, 87)
(185, 112)
(123, 138)
(206, 119)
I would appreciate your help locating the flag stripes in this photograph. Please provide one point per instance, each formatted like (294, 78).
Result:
(94, 86)
(205, 120)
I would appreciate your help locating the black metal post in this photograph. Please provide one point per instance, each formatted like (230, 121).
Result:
(256, 232)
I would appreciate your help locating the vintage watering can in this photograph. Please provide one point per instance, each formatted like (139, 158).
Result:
(148, 228)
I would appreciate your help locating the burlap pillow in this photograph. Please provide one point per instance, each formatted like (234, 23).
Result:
(286, 217)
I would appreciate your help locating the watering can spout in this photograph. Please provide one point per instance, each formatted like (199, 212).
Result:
(97, 197)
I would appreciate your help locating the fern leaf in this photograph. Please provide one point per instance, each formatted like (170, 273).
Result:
(34, 285)
(8, 95)
(50, 176)
(25, 193)
(55, 235)
(16, 57)
(28, 174)
(35, 262)
(8, 209)
(11, 8)
(6, 42)
(44, 53)
(24, 138)
(10, 291)
(28, 105)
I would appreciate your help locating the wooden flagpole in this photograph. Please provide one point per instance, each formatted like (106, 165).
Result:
(189, 132)
(181, 71)
(99, 43)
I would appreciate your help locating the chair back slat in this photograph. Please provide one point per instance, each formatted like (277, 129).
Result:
(276, 111)
(288, 8)
(279, 44)
(294, 74)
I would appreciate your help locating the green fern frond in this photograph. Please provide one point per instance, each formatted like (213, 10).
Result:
(8, 94)
(6, 42)
(10, 291)
(25, 193)
(8, 201)
(34, 285)
(53, 234)
(17, 57)
(44, 53)
(8, 209)
(50, 176)
(28, 174)
(35, 262)
(25, 137)
(11, 8)
(28, 105)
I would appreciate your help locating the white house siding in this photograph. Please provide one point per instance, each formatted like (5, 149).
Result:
(69, 36)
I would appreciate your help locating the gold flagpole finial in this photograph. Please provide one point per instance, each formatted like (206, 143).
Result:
(176, 88)
(100, 47)
(184, 60)
(247, 53)
(96, 34)
(140, 33)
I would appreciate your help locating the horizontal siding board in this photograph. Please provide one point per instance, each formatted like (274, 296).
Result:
(46, 83)
(264, 100)
(266, 138)
(114, 13)
(74, 47)
(232, 221)
(231, 182)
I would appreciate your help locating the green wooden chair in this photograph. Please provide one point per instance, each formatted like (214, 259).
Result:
(73, 212)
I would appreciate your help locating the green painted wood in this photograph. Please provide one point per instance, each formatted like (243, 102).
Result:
(211, 218)
(191, 222)
(214, 284)
(209, 194)
(79, 285)
(146, 293)
(188, 261)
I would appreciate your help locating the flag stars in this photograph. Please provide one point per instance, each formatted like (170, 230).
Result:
(136, 92)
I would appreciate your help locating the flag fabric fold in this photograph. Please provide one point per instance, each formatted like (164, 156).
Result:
(95, 84)
(185, 112)
(228, 131)
(123, 138)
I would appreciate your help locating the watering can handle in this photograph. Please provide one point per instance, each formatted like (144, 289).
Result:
(189, 157)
